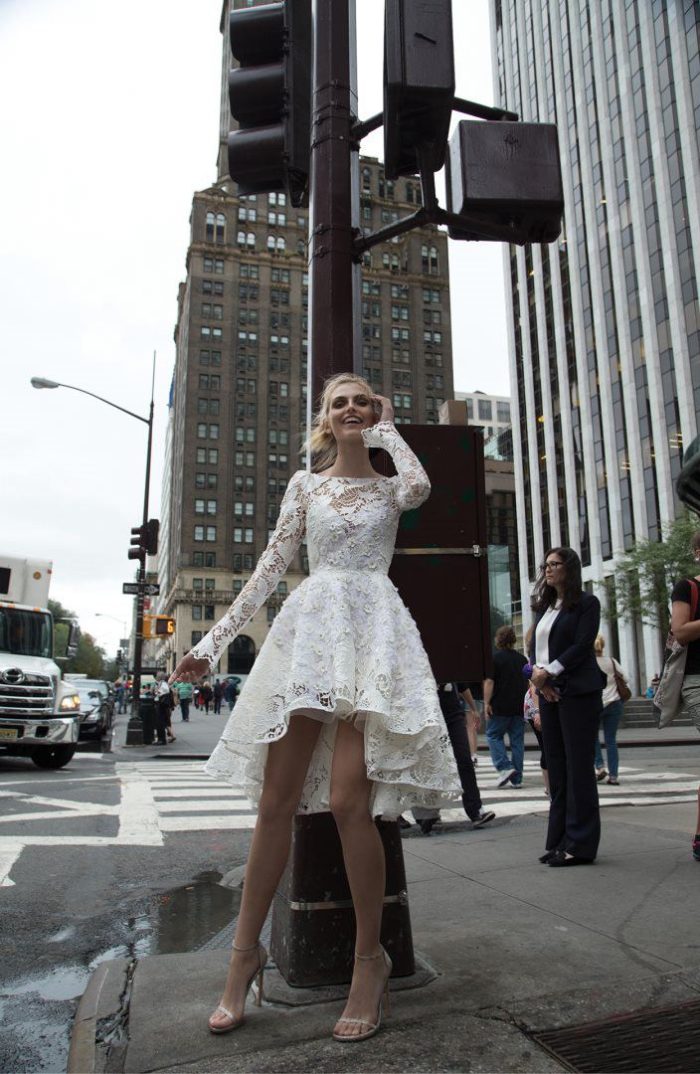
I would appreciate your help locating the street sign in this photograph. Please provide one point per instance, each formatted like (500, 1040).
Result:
(150, 589)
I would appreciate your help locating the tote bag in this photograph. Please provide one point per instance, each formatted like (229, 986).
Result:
(667, 699)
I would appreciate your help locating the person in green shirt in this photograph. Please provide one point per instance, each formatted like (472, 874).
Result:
(184, 693)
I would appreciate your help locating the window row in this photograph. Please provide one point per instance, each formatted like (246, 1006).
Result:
(212, 287)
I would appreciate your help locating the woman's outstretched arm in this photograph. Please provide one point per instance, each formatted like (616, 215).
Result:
(271, 566)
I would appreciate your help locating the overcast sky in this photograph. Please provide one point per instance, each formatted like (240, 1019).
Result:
(109, 124)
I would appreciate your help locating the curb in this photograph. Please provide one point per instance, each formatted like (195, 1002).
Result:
(102, 999)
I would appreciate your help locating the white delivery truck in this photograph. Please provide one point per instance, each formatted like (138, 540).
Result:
(39, 713)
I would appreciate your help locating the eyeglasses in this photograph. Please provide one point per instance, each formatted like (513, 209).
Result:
(549, 566)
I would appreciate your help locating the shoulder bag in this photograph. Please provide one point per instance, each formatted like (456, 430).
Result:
(621, 686)
(667, 699)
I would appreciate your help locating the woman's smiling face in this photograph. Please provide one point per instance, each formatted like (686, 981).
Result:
(350, 411)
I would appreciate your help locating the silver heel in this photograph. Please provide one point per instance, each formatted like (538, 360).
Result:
(372, 1027)
(255, 978)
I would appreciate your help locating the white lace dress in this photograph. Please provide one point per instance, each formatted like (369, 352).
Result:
(344, 645)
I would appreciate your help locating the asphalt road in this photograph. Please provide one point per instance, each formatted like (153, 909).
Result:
(80, 895)
(119, 855)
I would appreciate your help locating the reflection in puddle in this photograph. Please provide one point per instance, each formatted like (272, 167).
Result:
(66, 982)
(189, 916)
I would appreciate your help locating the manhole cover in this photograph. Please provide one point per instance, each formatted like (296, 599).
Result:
(661, 1041)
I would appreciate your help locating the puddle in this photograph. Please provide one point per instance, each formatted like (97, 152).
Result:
(66, 982)
(187, 917)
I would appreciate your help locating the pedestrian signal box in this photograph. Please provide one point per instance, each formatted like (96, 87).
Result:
(158, 626)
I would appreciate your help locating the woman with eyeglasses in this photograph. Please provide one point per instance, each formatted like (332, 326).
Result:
(567, 677)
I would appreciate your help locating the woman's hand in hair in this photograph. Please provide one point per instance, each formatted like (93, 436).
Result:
(383, 408)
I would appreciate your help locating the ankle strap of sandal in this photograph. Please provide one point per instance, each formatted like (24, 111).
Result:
(252, 947)
(369, 958)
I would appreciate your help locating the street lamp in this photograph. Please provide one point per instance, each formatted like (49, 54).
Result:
(43, 382)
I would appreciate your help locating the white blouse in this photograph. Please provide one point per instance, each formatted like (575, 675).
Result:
(542, 633)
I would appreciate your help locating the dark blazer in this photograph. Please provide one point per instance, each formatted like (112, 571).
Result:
(571, 643)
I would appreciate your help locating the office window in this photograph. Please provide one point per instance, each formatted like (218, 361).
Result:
(211, 533)
(196, 612)
(196, 637)
(208, 611)
(197, 583)
(199, 533)
(485, 410)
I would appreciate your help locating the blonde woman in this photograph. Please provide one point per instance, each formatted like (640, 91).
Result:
(340, 710)
(610, 716)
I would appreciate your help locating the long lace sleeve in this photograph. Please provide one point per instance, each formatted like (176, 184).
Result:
(412, 484)
(271, 566)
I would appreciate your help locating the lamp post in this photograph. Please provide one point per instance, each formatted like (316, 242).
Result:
(42, 382)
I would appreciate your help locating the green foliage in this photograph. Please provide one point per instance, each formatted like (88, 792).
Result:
(90, 657)
(645, 577)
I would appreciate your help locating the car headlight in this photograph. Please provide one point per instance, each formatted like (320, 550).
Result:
(70, 703)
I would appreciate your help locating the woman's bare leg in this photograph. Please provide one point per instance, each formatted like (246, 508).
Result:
(363, 854)
(285, 771)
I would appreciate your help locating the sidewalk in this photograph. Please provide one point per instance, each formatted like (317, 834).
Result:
(518, 949)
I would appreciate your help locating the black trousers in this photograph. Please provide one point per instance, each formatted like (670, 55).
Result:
(569, 730)
(457, 730)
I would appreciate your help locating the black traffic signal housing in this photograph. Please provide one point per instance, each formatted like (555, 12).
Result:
(152, 528)
(138, 542)
(506, 173)
(419, 84)
(270, 97)
(144, 540)
(688, 483)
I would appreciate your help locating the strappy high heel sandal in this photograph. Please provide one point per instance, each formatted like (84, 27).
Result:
(257, 977)
(372, 1027)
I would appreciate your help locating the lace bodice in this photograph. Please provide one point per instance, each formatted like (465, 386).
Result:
(350, 524)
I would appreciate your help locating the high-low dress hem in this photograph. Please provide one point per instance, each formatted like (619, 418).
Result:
(343, 646)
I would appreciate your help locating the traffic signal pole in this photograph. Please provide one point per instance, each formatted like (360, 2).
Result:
(334, 276)
(134, 722)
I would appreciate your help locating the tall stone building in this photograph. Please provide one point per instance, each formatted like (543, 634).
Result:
(238, 404)
(605, 324)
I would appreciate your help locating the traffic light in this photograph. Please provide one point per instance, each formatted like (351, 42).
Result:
(419, 84)
(144, 540)
(688, 483)
(152, 528)
(270, 97)
(138, 542)
(506, 173)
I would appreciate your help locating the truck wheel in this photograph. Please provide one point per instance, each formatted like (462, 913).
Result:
(53, 756)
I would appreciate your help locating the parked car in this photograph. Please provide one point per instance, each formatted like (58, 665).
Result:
(100, 685)
(96, 711)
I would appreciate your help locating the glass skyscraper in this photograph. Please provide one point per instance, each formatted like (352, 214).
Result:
(604, 324)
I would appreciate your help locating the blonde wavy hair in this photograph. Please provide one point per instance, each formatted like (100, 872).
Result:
(321, 444)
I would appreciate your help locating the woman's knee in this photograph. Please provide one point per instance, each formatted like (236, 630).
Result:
(348, 808)
(277, 808)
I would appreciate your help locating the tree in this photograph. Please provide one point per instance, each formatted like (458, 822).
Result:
(645, 577)
(90, 657)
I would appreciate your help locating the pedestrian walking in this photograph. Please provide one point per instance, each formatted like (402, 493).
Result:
(610, 716)
(184, 693)
(340, 709)
(206, 695)
(570, 688)
(218, 696)
(231, 693)
(454, 698)
(120, 697)
(685, 627)
(504, 695)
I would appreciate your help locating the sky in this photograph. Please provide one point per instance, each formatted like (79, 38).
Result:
(110, 123)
